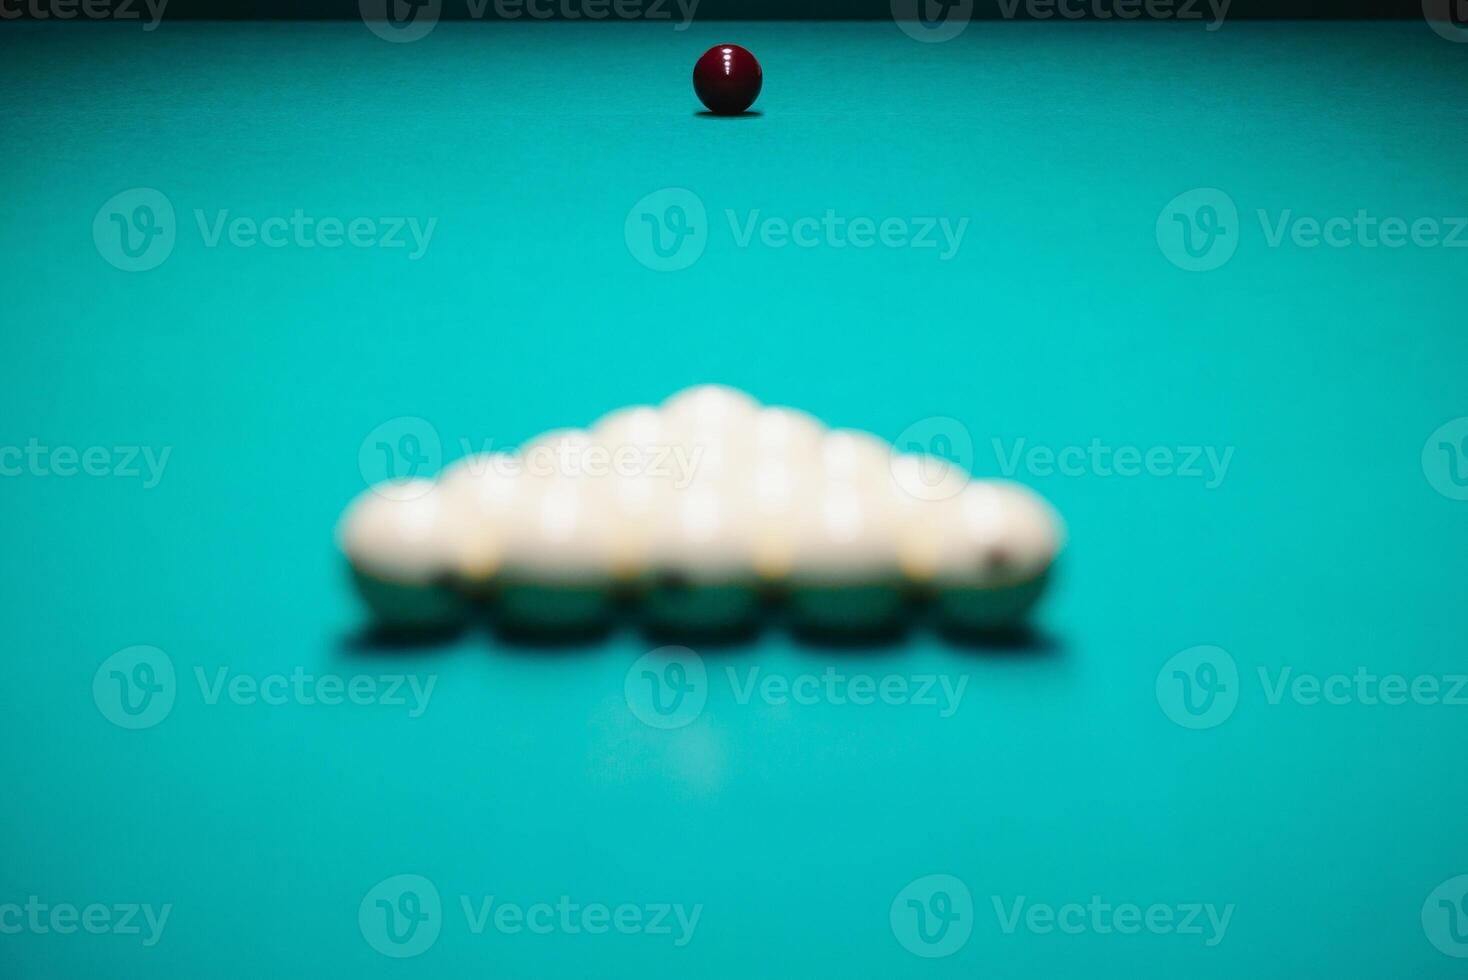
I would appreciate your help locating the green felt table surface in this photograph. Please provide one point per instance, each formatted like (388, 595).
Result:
(1291, 500)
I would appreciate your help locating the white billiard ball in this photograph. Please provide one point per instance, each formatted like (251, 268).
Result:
(779, 493)
(999, 545)
(923, 488)
(778, 477)
(487, 491)
(710, 407)
(701, 571)
(712, 423)
(559, 556)
(787, 435)
(633, 431)
(560, 452)
(398, 538)
(852, 456)
(642, 468)
(845, 576)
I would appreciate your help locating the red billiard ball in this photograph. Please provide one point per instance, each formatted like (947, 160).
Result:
(727, 79)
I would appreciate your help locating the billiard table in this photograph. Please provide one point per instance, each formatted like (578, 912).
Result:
(1199, 288)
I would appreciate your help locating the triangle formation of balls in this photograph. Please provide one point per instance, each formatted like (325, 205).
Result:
(701, 511)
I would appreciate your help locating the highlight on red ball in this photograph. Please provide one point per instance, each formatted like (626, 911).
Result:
(727, 79)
